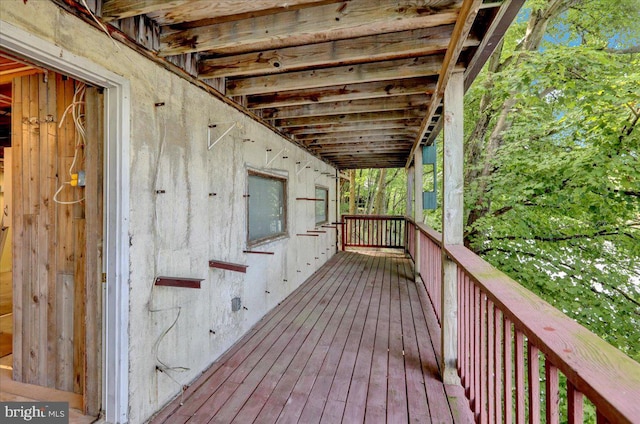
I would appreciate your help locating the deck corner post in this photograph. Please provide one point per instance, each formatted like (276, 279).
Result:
(417, 208)
(452, 221)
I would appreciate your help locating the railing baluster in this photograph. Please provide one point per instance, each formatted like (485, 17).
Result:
(534, 382)
(575, 405)
(469, 333)
(483, 358)
(519, 369)
(490, 362)
(507, 370)
(477, 370)
(460, 311)
(551, 392)
(497, 360)
(473, 358)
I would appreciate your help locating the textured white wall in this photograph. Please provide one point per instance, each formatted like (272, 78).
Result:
(176, 233)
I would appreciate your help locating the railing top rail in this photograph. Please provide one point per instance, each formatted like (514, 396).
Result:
(382, 217)
(428, 231)
(609, 378)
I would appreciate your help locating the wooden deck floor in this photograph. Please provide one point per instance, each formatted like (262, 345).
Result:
(353, 344)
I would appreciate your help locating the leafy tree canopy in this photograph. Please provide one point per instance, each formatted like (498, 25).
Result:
(552, 172)
(553, 161)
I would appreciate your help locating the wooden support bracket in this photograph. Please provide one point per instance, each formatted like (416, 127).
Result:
(189, 283)
(228, 266)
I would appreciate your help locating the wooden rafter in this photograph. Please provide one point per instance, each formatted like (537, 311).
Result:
(413, 102)
(369, 90)
(419, 42)
(348, 118)
(461, 31)
(351, 74)
(347, 20)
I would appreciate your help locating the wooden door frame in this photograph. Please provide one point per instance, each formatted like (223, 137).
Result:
(117, 131)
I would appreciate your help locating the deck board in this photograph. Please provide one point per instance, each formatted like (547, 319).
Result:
(352, 344)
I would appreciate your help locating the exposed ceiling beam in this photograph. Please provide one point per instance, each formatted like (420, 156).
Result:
(368, 90)
(413, 102)
(350, 74)
(371, 148)
(348, 118)
(355, 18)
(360, 135)
(119, 9)
(356, 126)
(460, 33)
(358, 141)
(166, 12)
(419, 42)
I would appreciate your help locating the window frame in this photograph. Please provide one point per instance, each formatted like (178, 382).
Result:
(326, 205)
(285, 218)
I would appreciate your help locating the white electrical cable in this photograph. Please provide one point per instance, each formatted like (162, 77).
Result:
(84, 2)
(75, 107)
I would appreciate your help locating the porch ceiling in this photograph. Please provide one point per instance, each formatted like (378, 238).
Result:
(358, 83)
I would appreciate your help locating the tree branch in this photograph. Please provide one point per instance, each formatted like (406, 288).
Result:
(628, 50)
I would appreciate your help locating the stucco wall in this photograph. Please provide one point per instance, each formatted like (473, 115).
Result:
(177, 232)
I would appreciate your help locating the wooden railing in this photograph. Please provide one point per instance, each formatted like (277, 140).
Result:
(514, 348)
(373, 231)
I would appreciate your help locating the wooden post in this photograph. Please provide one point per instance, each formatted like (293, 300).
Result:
(338, 218)
(452, 221)
(417, 207)
(410, 176)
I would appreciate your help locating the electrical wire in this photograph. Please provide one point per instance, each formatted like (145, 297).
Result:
(100, 24)
(75, 108)
(160, 364)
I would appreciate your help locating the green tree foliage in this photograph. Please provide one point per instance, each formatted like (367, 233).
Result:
(553, 161)
(552, 172)
(377, 191)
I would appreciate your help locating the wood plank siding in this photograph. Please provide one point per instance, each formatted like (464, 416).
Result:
(357, 342)
(57, 243)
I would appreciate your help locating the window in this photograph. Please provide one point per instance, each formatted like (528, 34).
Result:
(267, 207)
(322, 205)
